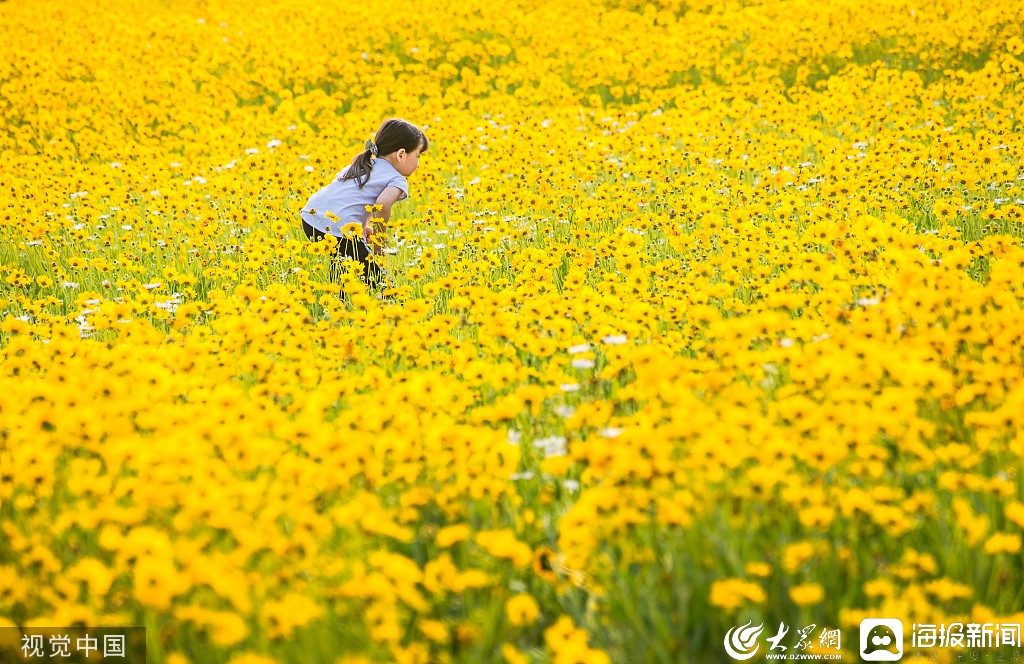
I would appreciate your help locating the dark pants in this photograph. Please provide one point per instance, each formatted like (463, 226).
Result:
(371, 273)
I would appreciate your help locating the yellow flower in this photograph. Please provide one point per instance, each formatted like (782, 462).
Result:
(945, 590)
(227, 629)
(252, 658)
(503, 544)
(470, 579)
(1003, 543)
(1015, 512)
(450, 535)
(731, 594)
(512, 655)
(156, 582)
(879, 588)
(806, 594)
(435, 631)
(397, 567)
(795, 555)
(758, 569)
(944, 209)
(521, 610)
(95, 574)
(283, 617)
(440, 574)
(467, 633)
(975, 526)
(817, 516)
(570, 644)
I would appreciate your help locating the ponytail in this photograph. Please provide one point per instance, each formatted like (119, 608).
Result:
(360, 168)
(393, 135)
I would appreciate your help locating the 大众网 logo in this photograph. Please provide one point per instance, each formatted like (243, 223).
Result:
(741, 642)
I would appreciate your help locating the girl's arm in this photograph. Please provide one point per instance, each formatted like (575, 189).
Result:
(387, 198)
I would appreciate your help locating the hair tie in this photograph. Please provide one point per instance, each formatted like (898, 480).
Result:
(371, 146)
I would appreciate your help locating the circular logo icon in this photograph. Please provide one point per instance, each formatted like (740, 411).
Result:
(741, 642)
(881, 640)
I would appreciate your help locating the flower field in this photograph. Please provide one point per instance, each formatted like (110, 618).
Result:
(706, 313)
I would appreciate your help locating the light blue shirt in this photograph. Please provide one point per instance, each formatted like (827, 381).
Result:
(346, 200)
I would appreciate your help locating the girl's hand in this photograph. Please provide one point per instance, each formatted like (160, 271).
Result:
(368, 232)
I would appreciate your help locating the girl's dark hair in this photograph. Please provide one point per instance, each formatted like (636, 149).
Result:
(393, 135)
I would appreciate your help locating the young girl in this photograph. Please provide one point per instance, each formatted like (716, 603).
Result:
(376, 176)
